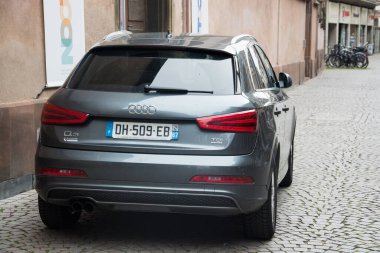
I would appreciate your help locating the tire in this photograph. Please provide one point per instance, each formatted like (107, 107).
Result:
(366, 62)
(262, 223)
(288, 179)
(361, 60)
(335, 61)
(328, 61)
(57, 217)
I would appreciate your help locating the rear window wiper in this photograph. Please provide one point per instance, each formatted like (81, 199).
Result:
(164, 90)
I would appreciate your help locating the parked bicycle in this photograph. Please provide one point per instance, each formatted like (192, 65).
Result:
(333, 58)
(341, 56)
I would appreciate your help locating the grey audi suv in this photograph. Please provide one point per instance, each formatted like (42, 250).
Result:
(160, 123)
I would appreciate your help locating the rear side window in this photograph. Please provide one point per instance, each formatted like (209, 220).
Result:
(258, 82)
(268, 67)
(131, 69)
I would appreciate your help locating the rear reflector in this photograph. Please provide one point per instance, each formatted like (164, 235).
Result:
(239, 122)
(61, 172)
(56, 115)
(223, 179)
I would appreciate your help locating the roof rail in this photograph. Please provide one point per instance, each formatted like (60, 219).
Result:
(241, 37)
(117, 35)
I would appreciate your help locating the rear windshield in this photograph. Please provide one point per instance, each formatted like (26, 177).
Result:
(132, 69)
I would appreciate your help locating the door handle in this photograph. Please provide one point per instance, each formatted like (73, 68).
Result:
(277, 113)
(285, 109)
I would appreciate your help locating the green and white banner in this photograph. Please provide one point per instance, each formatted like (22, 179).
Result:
(64, 38)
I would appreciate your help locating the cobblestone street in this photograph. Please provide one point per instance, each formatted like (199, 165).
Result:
(332, 206)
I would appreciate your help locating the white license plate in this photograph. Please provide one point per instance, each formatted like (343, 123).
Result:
(141, 131)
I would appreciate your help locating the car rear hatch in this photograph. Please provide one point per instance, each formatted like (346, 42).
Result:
(157, 101)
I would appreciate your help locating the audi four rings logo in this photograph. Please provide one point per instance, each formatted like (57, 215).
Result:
(141, 109)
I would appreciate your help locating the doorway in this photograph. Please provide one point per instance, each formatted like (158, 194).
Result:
(332, 37)
(362, 35)
(354, 36)
(343, 34)
(147, 15)
(369, 35)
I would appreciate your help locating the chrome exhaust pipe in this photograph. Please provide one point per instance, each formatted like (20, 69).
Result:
(77, 206)
(88, 207)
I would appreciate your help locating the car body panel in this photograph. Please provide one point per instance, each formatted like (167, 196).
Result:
(192, 139)
(171, 174)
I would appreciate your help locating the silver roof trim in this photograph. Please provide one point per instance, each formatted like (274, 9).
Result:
(241, 37)
(117, 35)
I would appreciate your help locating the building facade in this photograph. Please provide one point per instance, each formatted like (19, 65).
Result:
(290, 31)
(377, 30)
(22, 77)
(351, 23)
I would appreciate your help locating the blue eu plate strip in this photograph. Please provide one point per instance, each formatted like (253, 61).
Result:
(175, 136)
(175, 133)
(109, 127)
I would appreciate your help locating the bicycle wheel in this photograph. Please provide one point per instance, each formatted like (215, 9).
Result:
(361, 60)
(328, 61)
(366, 61)
(335, 61)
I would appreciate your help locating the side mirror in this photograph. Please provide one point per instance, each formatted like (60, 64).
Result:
(285, 81)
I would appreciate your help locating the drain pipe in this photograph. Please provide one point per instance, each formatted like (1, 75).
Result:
(122, 16)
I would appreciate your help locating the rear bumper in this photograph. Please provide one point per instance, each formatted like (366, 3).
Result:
(158, 183)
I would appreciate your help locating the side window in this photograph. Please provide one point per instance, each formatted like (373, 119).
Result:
(268, 67)
(244, 72)
(257, 82)
(262, 75)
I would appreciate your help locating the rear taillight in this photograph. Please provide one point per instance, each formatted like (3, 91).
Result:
(240, 122)
(222, 179)
(59, 172)
(56, 115)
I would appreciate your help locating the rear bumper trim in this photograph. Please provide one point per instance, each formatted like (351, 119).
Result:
(135, 197)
